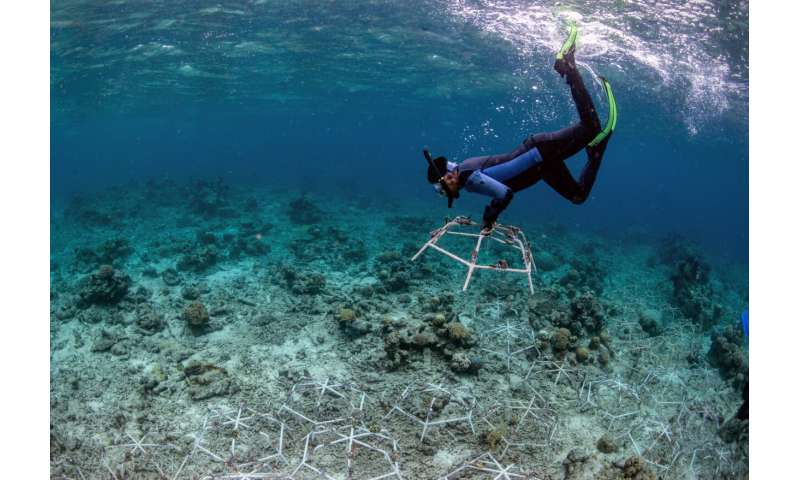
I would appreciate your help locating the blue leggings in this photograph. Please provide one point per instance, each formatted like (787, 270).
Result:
(504, 172)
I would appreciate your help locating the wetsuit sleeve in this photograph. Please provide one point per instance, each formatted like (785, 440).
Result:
(495, 208)
(483, 184)
(486, 185)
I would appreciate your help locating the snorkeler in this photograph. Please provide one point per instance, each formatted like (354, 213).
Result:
(540, 157)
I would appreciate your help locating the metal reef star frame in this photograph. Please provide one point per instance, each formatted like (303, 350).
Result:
(504, 234)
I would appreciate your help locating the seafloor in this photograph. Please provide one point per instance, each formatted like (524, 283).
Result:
(202, 330)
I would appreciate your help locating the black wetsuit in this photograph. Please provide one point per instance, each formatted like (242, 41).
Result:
(540, 157)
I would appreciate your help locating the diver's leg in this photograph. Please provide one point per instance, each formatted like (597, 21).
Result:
(589, 172)
(557, 146)
(583, 101)
(595, 152)
(566, 67)
(560, 179)
(558, 176)
(486, 161)
(560, 145)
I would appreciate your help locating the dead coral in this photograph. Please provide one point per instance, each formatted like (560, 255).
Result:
(562, 340)
(198, 258)
(582, 466)
(346, 315)
(301, 283)
(107, 286)
(449, 341)
(438, 304)
(636, 468)
(585, 273)
(606, 444)
(206, 380)
(209, 198)
(302, 211)
(463, 363)
(541, 306)
(727, 354)
(493, 439)
(249, 246)
(110, 252)
(582, 354)
(588, 314)
(354, 251)
(330, 244)
(423, 339)
(250, 240)
(693, 294)
(438, 319)
(92, 315)
(650, 320)
(148, 320)
(578, 465)
(171, 277)
(196, 315)
(106, 339)
(458, 333)
(351, 323)
(393, 272)
(396, 353)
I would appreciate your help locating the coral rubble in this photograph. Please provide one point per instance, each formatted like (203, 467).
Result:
(210, 330)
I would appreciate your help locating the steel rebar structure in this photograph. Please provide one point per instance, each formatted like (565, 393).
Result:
(504, 234)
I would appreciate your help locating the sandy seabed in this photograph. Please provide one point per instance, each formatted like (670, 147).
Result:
(201, 330)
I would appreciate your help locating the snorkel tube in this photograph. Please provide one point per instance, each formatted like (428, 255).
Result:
(446, 189)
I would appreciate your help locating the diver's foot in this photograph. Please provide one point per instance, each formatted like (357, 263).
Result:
(565, 58)
(566, 64)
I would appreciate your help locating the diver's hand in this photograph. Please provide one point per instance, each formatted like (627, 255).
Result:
(487, 229)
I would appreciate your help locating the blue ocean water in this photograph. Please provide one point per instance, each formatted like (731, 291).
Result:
(238, 189)
(342, 96)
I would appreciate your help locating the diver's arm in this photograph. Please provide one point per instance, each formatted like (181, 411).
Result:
(486, 185)
(494, 209)
(479, 182)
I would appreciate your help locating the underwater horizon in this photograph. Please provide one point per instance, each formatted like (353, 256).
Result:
(238, 187)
